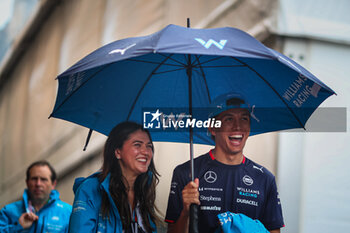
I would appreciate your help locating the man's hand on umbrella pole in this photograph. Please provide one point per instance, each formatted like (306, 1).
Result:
(190, 195)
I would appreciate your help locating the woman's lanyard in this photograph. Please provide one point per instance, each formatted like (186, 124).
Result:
(135, 226)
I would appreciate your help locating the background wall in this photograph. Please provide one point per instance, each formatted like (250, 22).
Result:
(313, 169)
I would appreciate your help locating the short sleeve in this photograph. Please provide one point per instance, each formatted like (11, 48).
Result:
(272, 217)
(175, 197)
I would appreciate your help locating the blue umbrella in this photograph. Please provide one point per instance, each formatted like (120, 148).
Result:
(123, 79)
(180, 69)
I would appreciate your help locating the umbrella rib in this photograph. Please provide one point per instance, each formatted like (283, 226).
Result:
(210, 60)
(204, 78)
(181, 63)
(223, 66)
(144, 85)
(151, 62)
(162, 72)
(272, 88)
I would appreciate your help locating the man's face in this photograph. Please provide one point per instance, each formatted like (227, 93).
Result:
(234, 131)
(39, 184)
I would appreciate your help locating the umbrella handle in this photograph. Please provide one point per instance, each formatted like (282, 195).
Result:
(193, 228)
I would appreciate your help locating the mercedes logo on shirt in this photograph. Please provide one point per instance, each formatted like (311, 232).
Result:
(210, 176)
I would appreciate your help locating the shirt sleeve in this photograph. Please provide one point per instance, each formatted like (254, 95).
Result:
(175, 197)
(273, 218)
(6, 224)
(85, 212)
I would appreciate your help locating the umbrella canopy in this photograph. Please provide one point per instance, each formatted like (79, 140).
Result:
(177, 69)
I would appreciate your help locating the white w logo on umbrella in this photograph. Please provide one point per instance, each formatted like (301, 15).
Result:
(207, 44)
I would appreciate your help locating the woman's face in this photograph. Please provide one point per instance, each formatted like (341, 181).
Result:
(136, 154)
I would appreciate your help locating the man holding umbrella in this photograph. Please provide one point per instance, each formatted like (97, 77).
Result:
(225, 179)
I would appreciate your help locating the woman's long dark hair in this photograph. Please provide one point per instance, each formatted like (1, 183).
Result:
(144, 186)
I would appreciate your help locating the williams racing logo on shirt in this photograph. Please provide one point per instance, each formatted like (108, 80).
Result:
(248, 196)
(246, 192)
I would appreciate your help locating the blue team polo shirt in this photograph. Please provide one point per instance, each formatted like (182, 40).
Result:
(247, 188)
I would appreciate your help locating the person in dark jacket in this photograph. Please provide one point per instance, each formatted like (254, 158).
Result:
(40, 209)
(120, 197)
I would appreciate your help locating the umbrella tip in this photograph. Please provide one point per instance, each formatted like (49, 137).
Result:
(188, 23)
(87, 139)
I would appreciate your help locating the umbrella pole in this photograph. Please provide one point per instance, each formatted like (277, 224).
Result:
(189, 75)
(193, 224)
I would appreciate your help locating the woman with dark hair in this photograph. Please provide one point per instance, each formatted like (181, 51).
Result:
(119, 198)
